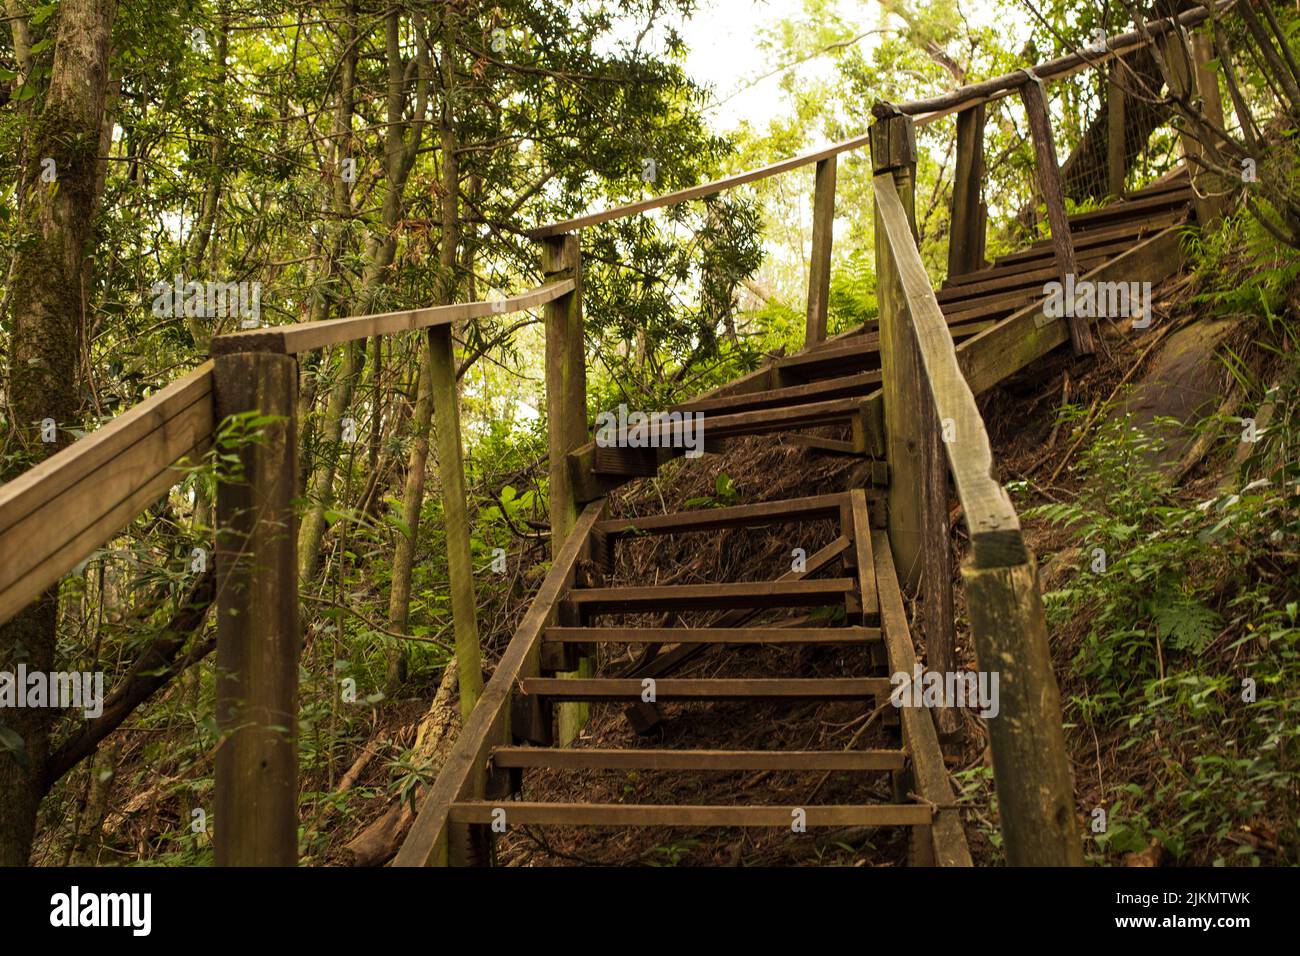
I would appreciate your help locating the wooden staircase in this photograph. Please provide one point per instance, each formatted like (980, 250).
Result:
(837, 382)
(859, 584)
(831, 383)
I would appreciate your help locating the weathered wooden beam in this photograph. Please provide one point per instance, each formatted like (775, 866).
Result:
(1185, 76)
(306, 336)
(58, 512)
(994, 527)
(464, 774)
(922, 742)
(646, 758)
(966, 231)
(258, 631)
(566, 416)
(717, 688)
(813, 508)
(1049, 187)
(455, 516)
(1116, 153)
(1024, 336)
(918, 488)
(1031, 766)
(684, 815)
(819, 268)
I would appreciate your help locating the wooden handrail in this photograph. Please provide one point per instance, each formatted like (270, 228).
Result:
(994, 527)
(59, 511)
(698, 192)
(925, 111)
(463, 775)
(305, 336)
(986, 91)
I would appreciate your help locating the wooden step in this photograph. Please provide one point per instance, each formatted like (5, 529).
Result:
(1034, 276)
(843, 387)
(593, 758)
(853, 355)
(1129, 209)
(812, 508)
(622, 461)
(1110, 239)
(518, 813)
(624, 689)
(679, 597)
(712, 635)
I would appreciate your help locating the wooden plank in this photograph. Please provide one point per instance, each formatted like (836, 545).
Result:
(306, 336)
(1032, 278)
(865, 560)
(259, 633)
(920, 737)
(713, 635)
(455, 516)
(813, 508)
(566, 416)
(1031, 764)
(911, 433)
(1102, 241)
(846, 351)
(56, 513)
(1129, 209)
(617, 460)
(819, 268)
(518, 813)
(830, 445)
(716, 688)
(40, 576)
(1049, 188)
(1116, 152)
(842, 387)
(488, 726)
(748, 594)
(51, 477)
(994, 527)
(592, 758)
(966, 233)
(697, 192)
(1027, 335)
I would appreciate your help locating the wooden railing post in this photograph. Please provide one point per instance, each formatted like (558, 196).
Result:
(455, 513)
(967, 224)
(1116, 146)
(258, 630)
(1193, 79)
(819, 266)
(566, 414)
(918, 479)
(1049, 185)
(1031, 766)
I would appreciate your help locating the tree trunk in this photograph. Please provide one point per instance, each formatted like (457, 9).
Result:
(47, 321)
(399, 597)
(401, 143)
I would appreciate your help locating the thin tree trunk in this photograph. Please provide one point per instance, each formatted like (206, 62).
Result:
(46, 322)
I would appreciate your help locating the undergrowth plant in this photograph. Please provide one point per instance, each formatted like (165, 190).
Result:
(1189, 606)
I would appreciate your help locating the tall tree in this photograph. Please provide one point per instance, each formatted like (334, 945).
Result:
(47, 340)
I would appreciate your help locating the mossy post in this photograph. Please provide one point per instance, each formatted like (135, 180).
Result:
(455, 516)
(918, 477)
(819, 264)
(969, 213)
(566, 415)
(1031, 767)
(259, 635)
